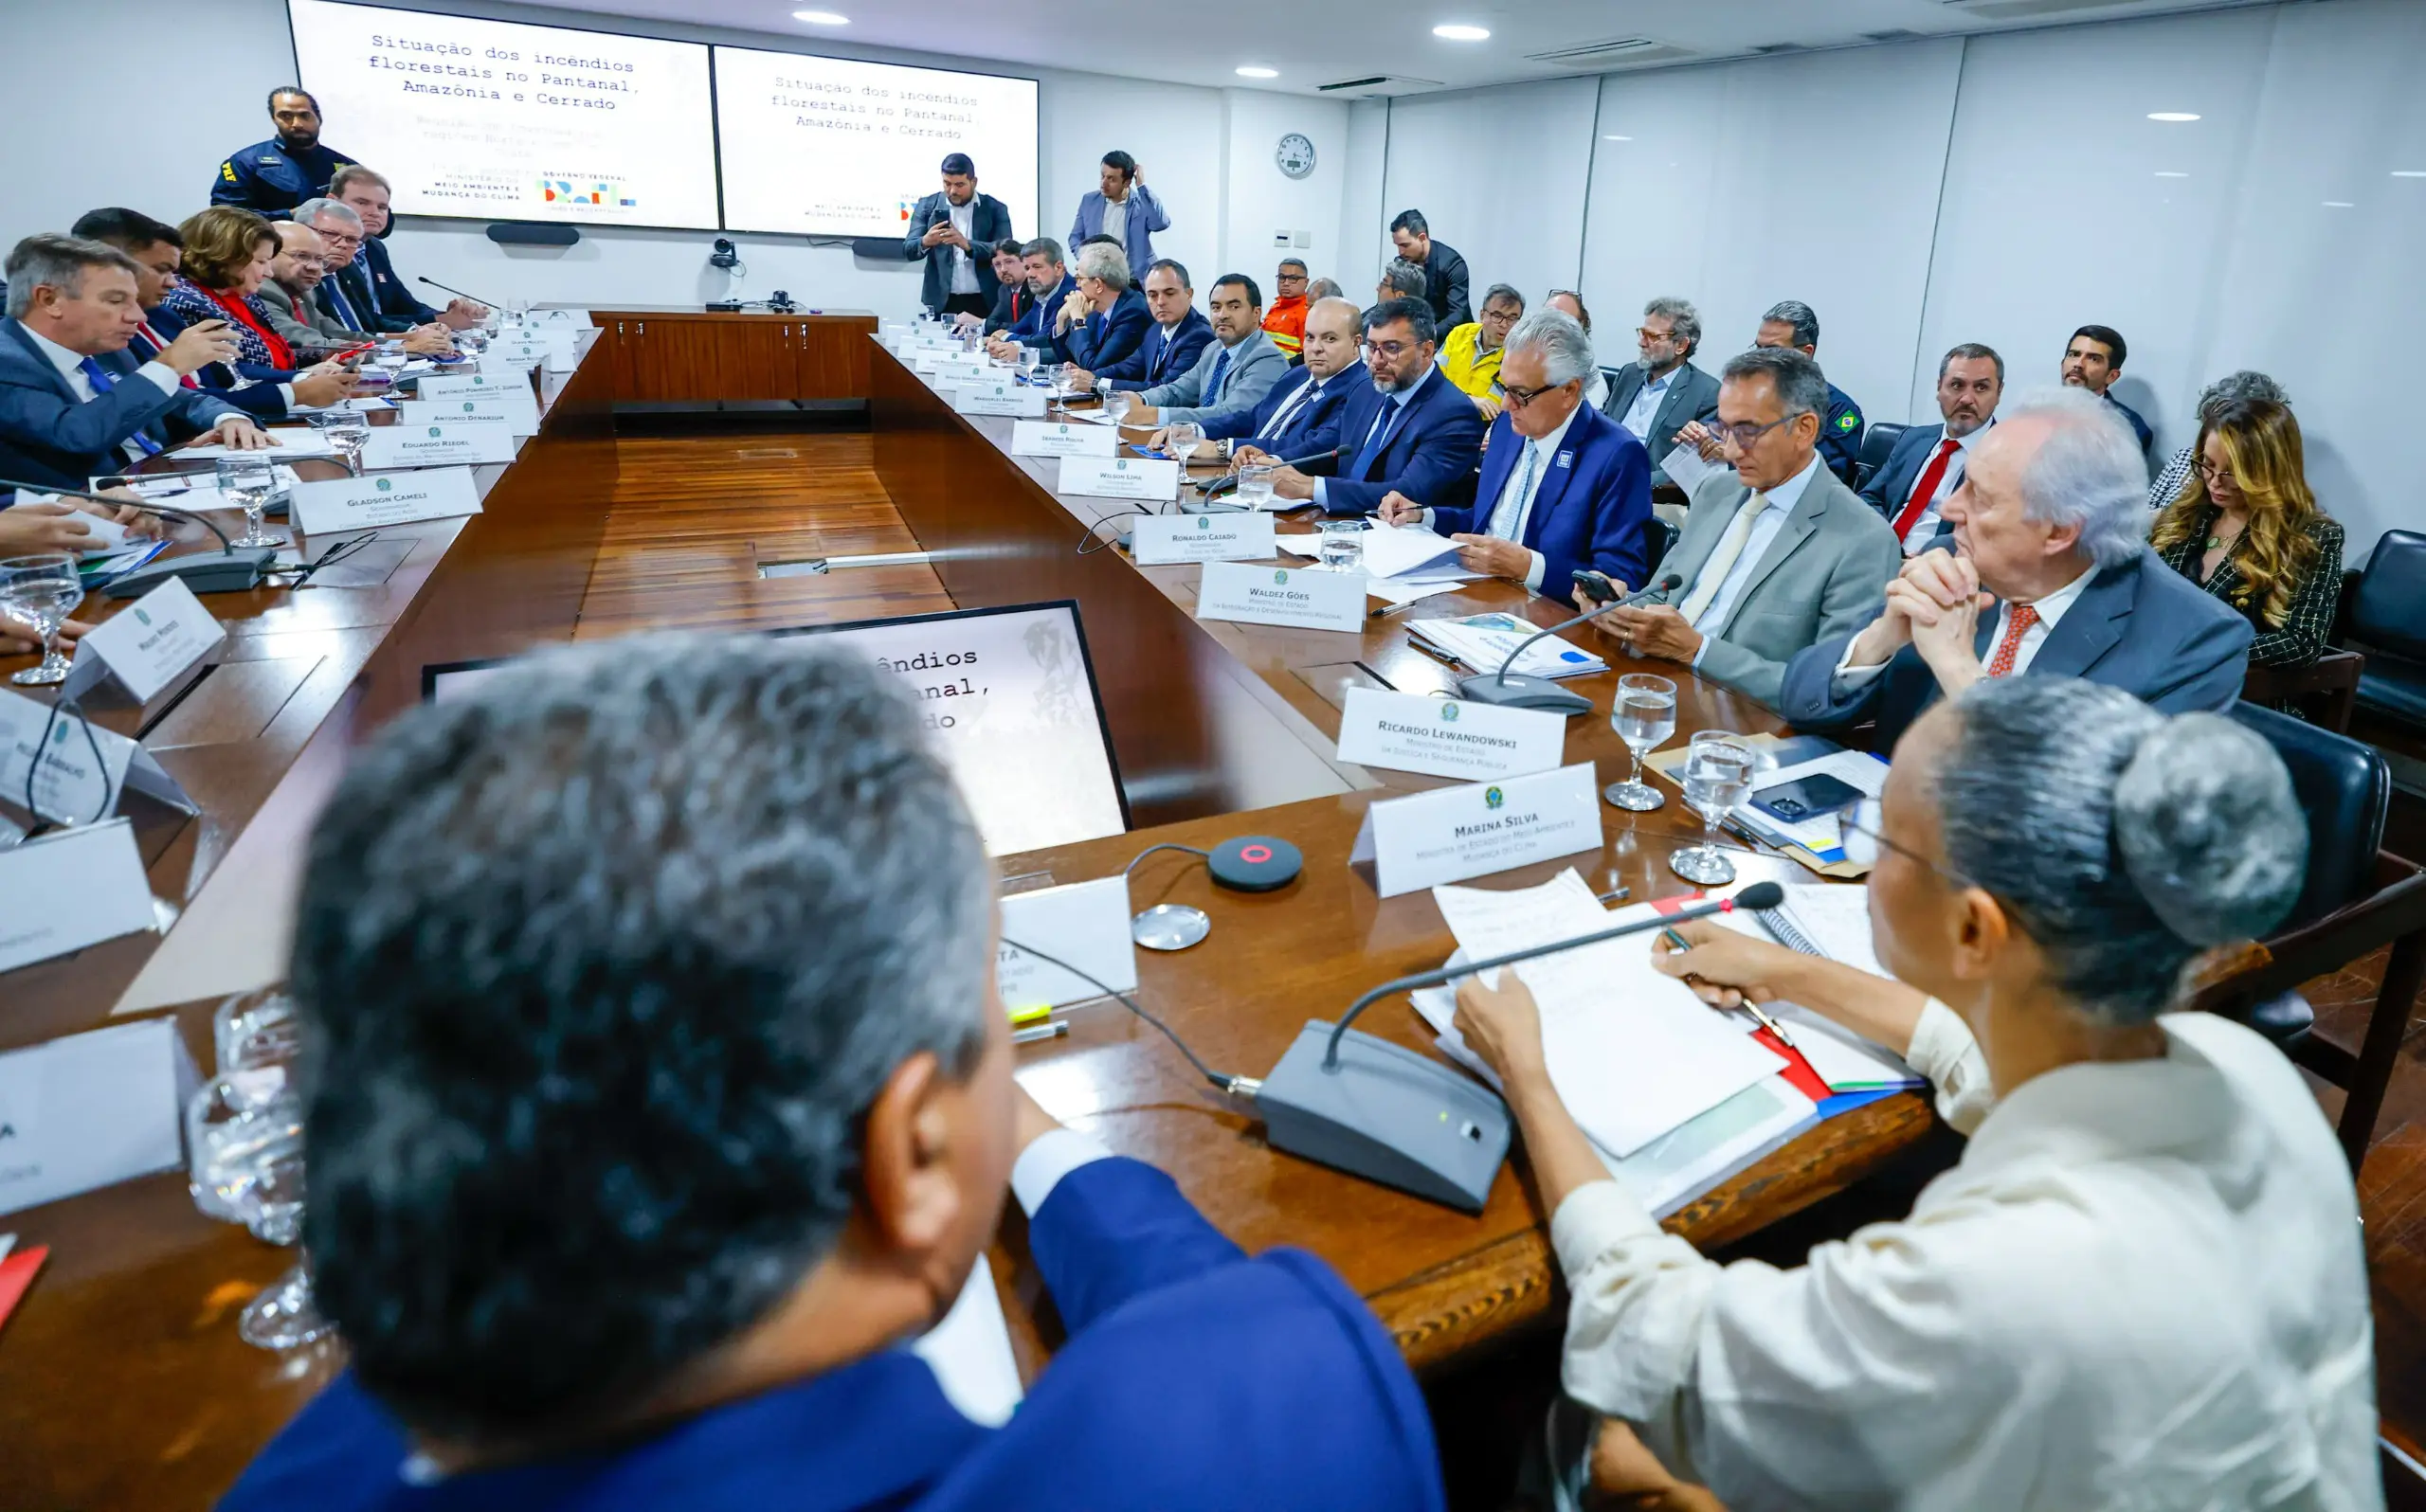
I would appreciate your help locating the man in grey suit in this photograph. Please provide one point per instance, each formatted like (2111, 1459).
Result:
(1233, 373)
(1775, 554)
(1661, 394)
(2050, 575)
(298, 269)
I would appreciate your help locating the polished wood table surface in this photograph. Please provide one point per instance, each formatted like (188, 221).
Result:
(122, 1383)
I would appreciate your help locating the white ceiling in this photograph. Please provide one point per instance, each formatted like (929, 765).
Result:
(1316, 42)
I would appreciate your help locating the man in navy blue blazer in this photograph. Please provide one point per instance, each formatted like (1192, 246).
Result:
(2050, 576)
(1177, 337)
(1049, 280)
(1103, 321)
(1562, 485)
(1300, 416)
(738, 1136)
(73, 405)
(1410, 431)
(393, 304)
(1928, 462)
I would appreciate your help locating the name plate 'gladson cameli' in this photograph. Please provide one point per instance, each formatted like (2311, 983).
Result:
(385, 499)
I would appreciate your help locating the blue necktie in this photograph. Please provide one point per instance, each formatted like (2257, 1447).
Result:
(103, 384)
(343, 310)
(1379, 437)
(1213, 381)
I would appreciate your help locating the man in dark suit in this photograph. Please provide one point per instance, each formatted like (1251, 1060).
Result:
(1410, 431)
(1927, 461)
(272, 177)
(1300, 416)
(1562, 485)
(2056, 584)
(947, 229)
(1792, 323)
(72, 403)
(1103, 322)
(365, 192)
(1010, 292)
(1444, 271)
(1659, 395)
(2093, 360)
(736, 1273)
(344, 296)
(1049, 284)
(1173, 342)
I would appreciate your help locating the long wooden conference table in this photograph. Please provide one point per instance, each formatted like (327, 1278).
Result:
(122, 1382)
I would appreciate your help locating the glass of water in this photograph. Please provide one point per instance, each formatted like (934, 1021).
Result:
(1342, 545)
(248, 481)
(245, 1148)
(256, 1032)
(346, 432)
(1644, 717)
(1182, 437)
(39, 592)
(1028, 359)
(1254, 485)
(1718, 776)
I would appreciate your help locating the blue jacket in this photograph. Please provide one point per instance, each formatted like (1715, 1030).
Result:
(1841, 431)
(1164, 354)
(988, 223)
(1109, 337)
(397, 310)
(1146, 217)
(1313, 428)
(48, 436)
(265, 402)
(1589, 509)
(1429, 456)
(1194, 1379)
(2138, 626)
(1033, 328)
(2139, 426)
(272, 178)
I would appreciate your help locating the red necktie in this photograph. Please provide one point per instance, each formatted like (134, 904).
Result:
(1925, 489)
(158, 347)
(2023, 617)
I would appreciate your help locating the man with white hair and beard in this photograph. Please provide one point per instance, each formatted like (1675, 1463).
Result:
(2051, 574)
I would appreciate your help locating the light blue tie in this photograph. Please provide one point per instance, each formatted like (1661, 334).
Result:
(103, 384)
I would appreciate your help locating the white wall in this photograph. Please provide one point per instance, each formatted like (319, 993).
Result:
(1263, 202)
(1362, 221)
(1497, 175)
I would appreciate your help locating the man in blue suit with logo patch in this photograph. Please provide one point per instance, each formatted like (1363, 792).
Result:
(1562, 485)
(1302, 414)
(1409, 431)
(740, 1128)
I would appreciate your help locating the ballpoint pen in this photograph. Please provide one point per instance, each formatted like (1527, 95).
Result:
(1040, 1031)
(1679, 944)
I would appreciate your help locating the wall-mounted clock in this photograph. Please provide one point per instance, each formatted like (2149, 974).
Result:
(1294, 155)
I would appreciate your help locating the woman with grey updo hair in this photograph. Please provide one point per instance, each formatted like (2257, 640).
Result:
(2142, 1284)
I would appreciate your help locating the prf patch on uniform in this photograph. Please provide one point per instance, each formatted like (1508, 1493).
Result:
(228, 170)
(1847, 421)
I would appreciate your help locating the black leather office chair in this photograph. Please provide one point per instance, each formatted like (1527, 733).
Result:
(2356, 900)
(1875, 443)
(2387, 617)
(1658, 538)
(1609, 385)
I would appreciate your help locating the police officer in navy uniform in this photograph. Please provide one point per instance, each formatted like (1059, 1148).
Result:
(1792, 323)
(273, 178)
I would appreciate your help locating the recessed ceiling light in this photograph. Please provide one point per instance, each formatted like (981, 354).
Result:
(2409, 172)
(1461, 33)
(2338, 204)
(2166, 173)
(1250, 71)
(1617, 138)
(2171, 115)
(822, 18)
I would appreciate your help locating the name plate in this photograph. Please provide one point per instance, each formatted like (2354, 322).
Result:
(1457, 833)
(146, 646)
(1159, 540)
(1447, 737)
(1085, 923)
(384, 498)
(502, 369)
(559, 317)
(1059, 438)
(1145, 478)
(67, 787)
(452, 385)
(995, 397)
(448, 446)
(519, 413)
(91, 1110)
(514, 354)
(1306, 598)
(71, 889)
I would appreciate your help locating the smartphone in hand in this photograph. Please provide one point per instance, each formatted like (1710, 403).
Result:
(1596, 585)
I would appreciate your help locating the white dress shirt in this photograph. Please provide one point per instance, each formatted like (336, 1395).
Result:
(1115, 223)
(1646, 403)
(964, 259)
(71, 367)
(1782, 500)
(1926, 526)
(2143, 1285)
(1542, 455)
(2051, 611)
(1053, 1155)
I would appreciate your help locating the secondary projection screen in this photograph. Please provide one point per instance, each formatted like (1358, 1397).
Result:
(832, 147)
(498, 121)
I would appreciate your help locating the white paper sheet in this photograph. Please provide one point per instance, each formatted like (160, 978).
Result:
(1685, 468)
(970, 1353)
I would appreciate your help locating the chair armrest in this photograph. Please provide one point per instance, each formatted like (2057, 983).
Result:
(2332, 681)
(2395, 911)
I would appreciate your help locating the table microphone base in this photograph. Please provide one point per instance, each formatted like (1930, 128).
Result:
(236, 571)
(1387, 1114)
(1210, 506)
(1518, 692)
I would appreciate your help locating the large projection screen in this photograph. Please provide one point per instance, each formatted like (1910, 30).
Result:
(816, 146)
(498, 121)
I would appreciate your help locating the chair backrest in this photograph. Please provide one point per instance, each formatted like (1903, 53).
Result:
(1659, 536)
(2389, 608)
(2346, 789)
(1875, 443)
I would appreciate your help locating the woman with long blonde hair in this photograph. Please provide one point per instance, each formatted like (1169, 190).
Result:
(2246, 528)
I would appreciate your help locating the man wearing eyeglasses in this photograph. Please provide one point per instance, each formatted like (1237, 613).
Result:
(1562, 485)
(1409, 432)
(1664, 392)
(1775, 554)
(1285, 318)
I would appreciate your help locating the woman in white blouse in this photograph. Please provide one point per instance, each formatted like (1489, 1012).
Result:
(2141, 1286)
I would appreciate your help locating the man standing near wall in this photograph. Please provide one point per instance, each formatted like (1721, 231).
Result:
(272, 177)
(1444, 271)
(1123, 208)
(947, 229)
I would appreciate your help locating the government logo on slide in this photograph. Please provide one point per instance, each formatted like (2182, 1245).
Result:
(560, 191)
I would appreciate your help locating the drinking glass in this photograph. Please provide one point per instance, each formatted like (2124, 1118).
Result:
(256, 1032)
(347, 432)
(391, 358)
(248, 481)
(1182, 439)
(1644, 717)
(1718, 776)
(1118, 405)
(1028, 359)
(39, 592)
(1343, 546)
(246, 1146)
(1254, 485)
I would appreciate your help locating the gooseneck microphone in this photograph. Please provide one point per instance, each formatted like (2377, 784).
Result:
(1228, 483)
(1373, 1109)
(451, 289)
(230, 571)
(1544, 693)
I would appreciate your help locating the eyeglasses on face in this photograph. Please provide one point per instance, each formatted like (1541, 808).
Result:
(1744, 432)
(1861, 831)
(1646, 333)
(1392, 350)
(1518, 398)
